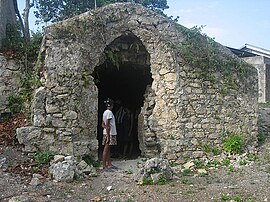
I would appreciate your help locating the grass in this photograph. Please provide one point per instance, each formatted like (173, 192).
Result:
(243, 163)
(198, 164)
(252, 157)
(129, 172)
(210, 149)
(147, 181)
(226, 162)
(231, 169)
(186, 172)
(224, 197)
(236, 198)
(186, 182)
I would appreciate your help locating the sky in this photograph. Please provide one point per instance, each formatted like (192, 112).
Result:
(232, 23)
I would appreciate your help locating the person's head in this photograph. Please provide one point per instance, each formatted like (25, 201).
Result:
(109, 103)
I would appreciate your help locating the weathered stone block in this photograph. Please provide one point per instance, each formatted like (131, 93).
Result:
(30, 137)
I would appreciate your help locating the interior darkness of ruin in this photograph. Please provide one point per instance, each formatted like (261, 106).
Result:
(125, 83)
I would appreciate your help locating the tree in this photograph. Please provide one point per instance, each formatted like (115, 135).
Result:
(7, 17)
(15, 38)
(24, 23)
(57, 10)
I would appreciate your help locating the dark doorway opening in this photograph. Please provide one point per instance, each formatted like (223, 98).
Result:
(123, 77)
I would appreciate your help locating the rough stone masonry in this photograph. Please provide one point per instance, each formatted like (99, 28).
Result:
(181, 112)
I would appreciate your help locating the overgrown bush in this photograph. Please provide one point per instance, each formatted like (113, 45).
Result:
(233, 143)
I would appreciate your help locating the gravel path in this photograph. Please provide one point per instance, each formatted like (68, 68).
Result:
(244, 183)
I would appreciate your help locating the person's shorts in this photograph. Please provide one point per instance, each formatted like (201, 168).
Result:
(113, 140)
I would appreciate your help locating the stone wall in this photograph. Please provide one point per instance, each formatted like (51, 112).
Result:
(181, 113)
(262, 64)
(264, 122)
(10, 75)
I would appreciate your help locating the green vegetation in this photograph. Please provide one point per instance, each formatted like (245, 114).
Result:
(91, 161)
(55, 10)
(129, 172)
(236, 198)
(202, 174)
(233, 143)
(15, 104)
(211, 149)
(243, 162)
(224, 197)
(186, 172)
(13, 44)
(114, 58)
(42, 158)
(264, 105)
(15, 47)
(261, 137)
(231, 169)
(186, 182)
(147, 181)
(210, 62)
(226, 162)
(21, 101)
(198, 164)
(162, 180)
(252, 157)
(214, 163)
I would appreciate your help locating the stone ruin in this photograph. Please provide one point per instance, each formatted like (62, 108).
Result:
(10, 77)
(129, 53)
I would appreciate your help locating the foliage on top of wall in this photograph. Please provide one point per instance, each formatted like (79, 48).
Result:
(211, 60)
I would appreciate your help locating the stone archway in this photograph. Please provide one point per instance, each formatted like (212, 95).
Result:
(123, 75)
(181, 111)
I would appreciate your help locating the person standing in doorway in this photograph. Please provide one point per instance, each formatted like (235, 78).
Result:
(109, 134)
(127, 132)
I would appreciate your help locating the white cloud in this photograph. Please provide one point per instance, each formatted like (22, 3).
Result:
(185, 11)
(216, 32)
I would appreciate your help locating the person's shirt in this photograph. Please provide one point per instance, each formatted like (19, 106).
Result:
(120, 115)
(109, 115)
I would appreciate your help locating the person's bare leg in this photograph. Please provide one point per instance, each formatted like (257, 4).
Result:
(105, 155)
(109, 158)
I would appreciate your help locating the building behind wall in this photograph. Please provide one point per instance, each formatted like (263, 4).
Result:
(260, 59)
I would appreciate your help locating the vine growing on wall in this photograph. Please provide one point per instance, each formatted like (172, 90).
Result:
(209, 59)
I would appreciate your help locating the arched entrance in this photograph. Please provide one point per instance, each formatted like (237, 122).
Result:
(123, 76)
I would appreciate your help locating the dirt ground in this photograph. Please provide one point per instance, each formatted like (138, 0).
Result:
(250, 182)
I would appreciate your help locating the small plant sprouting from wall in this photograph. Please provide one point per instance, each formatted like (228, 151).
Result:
(114, 58)
(233, 143)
